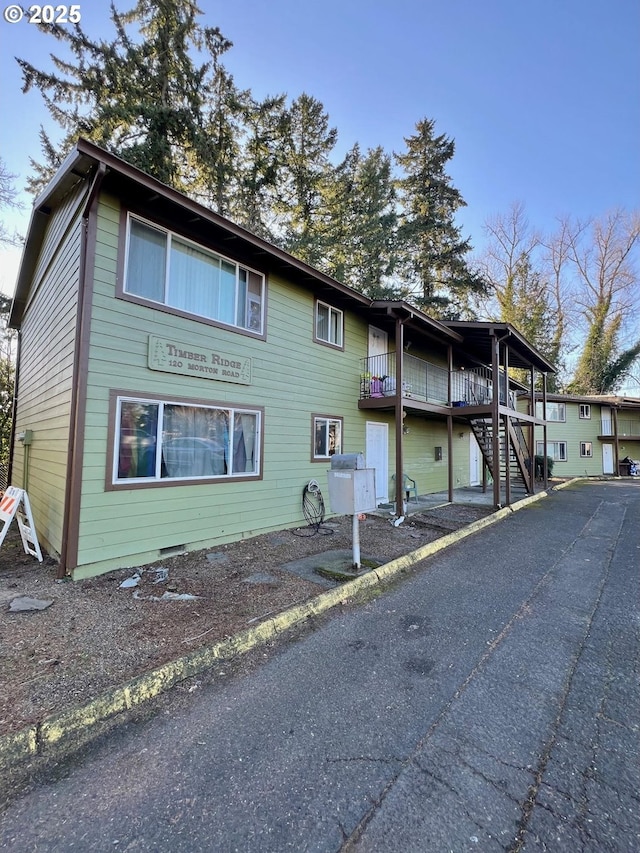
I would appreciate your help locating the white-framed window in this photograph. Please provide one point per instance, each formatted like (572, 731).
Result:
(327, 436)
(158, 440)
(555, 411)
(585, 411)
(586, 448)
(557, 450)
(164, 268)
(329, 324)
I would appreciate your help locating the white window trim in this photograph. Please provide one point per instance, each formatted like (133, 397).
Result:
(586, 408)
(584, 446)
(169, 234)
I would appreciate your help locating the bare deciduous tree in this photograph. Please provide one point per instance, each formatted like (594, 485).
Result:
(604, 254)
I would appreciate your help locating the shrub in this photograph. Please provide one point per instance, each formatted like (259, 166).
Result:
(539, 466)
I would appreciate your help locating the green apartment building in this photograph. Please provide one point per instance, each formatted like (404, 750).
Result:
(180, 380)
(590, 436)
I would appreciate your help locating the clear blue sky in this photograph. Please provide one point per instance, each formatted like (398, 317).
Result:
(542, 99)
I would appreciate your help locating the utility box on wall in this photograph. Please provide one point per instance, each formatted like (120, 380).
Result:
(352, 488)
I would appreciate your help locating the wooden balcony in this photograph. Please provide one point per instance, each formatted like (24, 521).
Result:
(428, 387)
(626, 429)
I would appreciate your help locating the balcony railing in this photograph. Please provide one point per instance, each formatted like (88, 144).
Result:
(429, 382)
(421, 379)
(625, 428)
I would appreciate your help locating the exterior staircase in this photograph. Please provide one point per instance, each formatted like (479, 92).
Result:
(517, 460)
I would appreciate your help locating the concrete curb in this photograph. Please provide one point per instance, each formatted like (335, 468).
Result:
(58, 729)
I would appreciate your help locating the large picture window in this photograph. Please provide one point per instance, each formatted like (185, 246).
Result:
(174, 441)
(555, 411)
(557, 450)
(165, 268)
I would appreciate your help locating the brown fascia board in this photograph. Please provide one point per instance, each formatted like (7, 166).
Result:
(86, 156)
(279, 256)
(409, 313)
(492, 328)
(75, 168)
(630, 403)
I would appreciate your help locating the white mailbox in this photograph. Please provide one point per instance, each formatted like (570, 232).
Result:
(352, 491)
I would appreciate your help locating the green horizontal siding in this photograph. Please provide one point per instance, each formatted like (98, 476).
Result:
(46, 370)
(292, 378)
(573, 431)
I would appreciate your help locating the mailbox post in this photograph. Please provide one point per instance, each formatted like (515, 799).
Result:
(352, 490)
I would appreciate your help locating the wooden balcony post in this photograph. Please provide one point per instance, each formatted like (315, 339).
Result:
(545, 467)
(450, 428)
(495, 417)
(616, 440)
(532, 429)
(399, 420)
(507, 430)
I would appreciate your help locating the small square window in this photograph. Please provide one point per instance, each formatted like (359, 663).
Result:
(585, 411)
(327, 437)
(329, 324)
(586, 449)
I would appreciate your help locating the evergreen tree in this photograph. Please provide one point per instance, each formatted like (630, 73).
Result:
(524, 303)
(217, 163)
(337, 220)
(258, 169)
(432, 252)
(309, 141)
(141, 97)
(372, 255)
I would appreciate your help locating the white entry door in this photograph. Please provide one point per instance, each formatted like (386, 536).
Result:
(475, 461)
(607, 459)
(378, 349)
(377, 457)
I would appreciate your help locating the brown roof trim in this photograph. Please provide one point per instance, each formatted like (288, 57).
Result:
(594, 399)
(407, 313)
(86, 157)
(505, 329)
(116, 164)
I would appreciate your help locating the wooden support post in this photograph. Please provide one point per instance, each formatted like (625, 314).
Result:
(507, 431)
(545, 467)
(450, 430)
(399, 419)
(495, 418)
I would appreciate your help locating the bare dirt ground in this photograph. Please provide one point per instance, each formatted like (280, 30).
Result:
(96, 634)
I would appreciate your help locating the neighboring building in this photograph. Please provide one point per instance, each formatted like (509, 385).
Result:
(180, 380)
(590, 435)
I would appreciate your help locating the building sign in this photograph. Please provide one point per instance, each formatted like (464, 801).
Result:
(174, 356)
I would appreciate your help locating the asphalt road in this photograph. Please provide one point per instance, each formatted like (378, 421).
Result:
(487, 702)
